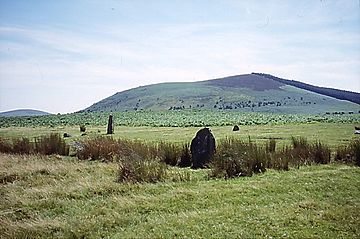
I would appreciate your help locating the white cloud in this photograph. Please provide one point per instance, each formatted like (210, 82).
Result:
(96, 63)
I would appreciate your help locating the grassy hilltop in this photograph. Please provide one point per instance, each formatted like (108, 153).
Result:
(243, 93)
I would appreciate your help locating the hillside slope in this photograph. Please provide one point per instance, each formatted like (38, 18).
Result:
(23, 112)
(248, 92)
(338, 94)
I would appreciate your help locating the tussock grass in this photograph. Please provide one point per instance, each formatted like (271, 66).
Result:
(46, 145)
(99, 148)
(138, 162)
(142, 162)
(185, 156)
(349, 153)
(51, 144)
(81, 199)
(141, 170)
(108, 149)
(235, 158)
(305, 153)
(321, 153)
(169, 153)
(271, 145)
(22, 146)
(5, 146)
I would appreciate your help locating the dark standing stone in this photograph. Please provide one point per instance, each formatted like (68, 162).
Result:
(110, 126)
(236, 128)
(82, 128)
(202, 148)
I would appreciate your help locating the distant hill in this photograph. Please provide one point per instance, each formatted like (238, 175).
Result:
(23, 112)
(250, 92)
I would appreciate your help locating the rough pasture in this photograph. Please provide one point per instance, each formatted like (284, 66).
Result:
(47, 197)
(181, 118)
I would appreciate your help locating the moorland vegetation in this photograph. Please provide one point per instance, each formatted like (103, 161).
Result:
(291, 176)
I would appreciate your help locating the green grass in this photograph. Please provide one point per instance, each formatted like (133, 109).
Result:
(178, 118)
(61, 197)
(44, 197)
(333, 134)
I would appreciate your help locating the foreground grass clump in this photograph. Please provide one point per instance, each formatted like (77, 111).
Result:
(46, 145)
(51, 144)
(48, 197)
(22, 146)
(175, 154)
(108, 149)
(169, 153)
(304, 153)
(349, 153)
(99, 148)
(235, 158)
(142, 170)
(138, 162)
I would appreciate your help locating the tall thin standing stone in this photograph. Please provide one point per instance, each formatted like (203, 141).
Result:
(110, 126)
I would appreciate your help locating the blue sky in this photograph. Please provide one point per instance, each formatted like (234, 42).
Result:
(63, 56)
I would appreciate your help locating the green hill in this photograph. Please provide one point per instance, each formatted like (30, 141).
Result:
(23, 112)
(249, 92)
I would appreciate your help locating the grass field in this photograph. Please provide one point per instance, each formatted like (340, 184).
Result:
(178, 118)
(333, 134)
(64, 198)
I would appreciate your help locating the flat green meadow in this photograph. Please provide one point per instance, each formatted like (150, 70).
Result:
(333, 134)
(63, 197)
